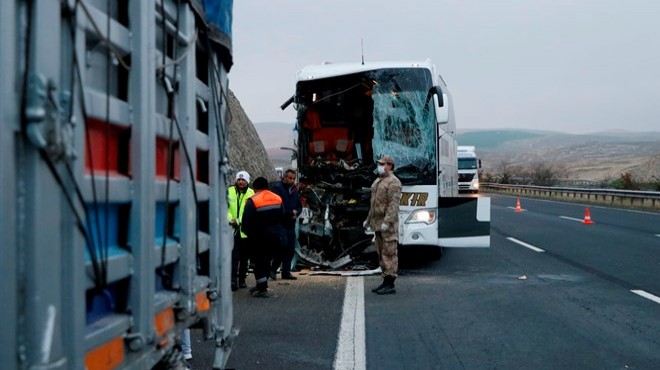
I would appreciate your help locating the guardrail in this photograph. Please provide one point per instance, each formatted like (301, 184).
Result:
(647, 200)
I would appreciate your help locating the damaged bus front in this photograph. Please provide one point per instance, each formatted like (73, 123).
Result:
(348, 115)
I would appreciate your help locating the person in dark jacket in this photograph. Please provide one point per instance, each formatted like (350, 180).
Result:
(262, 223)
(290, 195)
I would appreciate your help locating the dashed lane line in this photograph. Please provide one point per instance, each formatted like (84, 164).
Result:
(647, 295)
(639, 292)
(571, 218)
(351, 346)
(535, 249)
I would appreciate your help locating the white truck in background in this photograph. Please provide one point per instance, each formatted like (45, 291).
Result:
(468, 169)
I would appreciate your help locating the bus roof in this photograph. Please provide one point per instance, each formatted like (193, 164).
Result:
(325, 70)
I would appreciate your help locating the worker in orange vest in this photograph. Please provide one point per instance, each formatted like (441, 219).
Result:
(263, 219)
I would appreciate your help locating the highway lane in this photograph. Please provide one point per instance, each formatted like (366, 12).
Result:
(471, 309)
(573, 309)
(621, 245)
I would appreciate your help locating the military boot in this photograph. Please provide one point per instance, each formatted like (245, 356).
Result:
(381, 286)
(389, 286)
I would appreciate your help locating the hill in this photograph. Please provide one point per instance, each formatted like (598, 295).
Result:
(593, 156)
(246, 151)
(490, 139)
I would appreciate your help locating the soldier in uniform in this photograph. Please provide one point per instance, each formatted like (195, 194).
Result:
(383, 218)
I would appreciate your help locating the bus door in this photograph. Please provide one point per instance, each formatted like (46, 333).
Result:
(464, 222)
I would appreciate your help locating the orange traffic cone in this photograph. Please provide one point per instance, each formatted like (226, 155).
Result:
(587, 217)
(518, 209)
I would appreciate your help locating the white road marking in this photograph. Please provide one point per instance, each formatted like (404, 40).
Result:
(535, 249)
(572, 218)
(658, 235)
(351, 346)
(646, 295)
(47, 338)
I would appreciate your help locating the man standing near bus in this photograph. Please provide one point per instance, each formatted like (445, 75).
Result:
(290, 195)
(262, 222)
(237, 196)
(383, 219)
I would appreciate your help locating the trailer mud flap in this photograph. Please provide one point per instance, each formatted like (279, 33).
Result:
(464, 222)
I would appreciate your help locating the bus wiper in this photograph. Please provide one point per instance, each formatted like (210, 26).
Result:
(412, 167)
(407, 168)
(417, 181)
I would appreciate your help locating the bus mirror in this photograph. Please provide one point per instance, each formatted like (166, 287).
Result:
(441, 112)
(287, 102)
(438, 96)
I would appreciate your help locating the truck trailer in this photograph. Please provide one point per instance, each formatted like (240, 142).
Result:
(113, 168)
(350, 114)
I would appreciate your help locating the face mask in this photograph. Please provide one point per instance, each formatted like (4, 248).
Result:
(380, 169)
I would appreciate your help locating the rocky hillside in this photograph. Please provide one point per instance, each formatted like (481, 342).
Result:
(246, 151)
(597, 156)
(648, 169)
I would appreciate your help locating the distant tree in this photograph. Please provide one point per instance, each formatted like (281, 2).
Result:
(544, 174)
(504, 169)
(626, 182)
(487, 177)
(521, 175)
(606, 182)
(655, 183)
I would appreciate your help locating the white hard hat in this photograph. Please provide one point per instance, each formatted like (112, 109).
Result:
(243, 175)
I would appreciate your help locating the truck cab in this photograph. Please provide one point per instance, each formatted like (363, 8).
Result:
(468, 169)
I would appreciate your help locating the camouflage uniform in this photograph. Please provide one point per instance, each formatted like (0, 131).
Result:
(385, 198)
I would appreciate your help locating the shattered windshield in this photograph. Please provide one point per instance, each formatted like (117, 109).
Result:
(404, 122)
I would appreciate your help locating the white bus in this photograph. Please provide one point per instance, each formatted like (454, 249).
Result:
(348, 115)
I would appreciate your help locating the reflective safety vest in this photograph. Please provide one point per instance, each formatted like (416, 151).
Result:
(266, 200)
(236, 202)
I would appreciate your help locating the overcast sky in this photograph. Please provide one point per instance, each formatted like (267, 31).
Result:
(576, 66)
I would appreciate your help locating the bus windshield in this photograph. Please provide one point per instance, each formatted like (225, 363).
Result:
(404, 122)
(349, 121)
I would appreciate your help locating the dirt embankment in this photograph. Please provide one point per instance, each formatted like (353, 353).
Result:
(246, 151)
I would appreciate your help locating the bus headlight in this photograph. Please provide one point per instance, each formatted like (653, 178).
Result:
(426, 216)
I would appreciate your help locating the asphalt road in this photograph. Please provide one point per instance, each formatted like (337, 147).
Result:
(568, 303)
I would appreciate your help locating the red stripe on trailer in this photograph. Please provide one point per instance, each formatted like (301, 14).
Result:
(108, 148)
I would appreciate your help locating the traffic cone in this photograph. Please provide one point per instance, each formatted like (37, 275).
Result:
(518, 209)
(587, 217)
